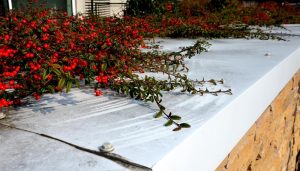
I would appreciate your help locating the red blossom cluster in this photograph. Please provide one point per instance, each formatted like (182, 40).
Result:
(5, 52)
(4, 103)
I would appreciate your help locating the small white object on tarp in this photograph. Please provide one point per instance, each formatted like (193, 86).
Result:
(2, 115)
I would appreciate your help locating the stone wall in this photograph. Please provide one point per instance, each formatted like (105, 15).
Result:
(273, 142)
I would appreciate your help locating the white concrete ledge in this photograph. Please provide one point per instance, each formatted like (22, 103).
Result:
(208, 146)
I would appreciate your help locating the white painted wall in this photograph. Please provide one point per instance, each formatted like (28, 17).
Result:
(80, 6)
(117, 10)
(9, 4)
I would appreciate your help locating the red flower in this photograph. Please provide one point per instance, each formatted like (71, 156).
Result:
(46, 46)
(5, 103)
(37, 96)
(169, 7)
(246, 19)
(6, 38)
(263, 16)
(11, 82)
(39, 49)
(102, 79)
(49, 78)
(98, 92)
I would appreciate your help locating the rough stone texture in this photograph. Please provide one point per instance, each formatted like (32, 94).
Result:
(273, 142)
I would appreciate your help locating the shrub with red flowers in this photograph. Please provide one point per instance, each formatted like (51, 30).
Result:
(46, 51)
(193, 18)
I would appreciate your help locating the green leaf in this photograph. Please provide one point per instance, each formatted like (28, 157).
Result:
(44, 74)
(159, 93)
(42, 90)
(103, 66)
(161, 107)
(175, 117)
(131, 93)
(158, 114)
(61, 83)
(104, 46)
(185, 125)
(57, 66)
(168, 123)
(177, 128)
(57, 72)
(212, 82)
(77, 83)
(51, 88)
(69, 86)
(34, 36)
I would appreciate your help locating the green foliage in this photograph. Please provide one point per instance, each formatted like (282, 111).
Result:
(140, 7)
(147, 7)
